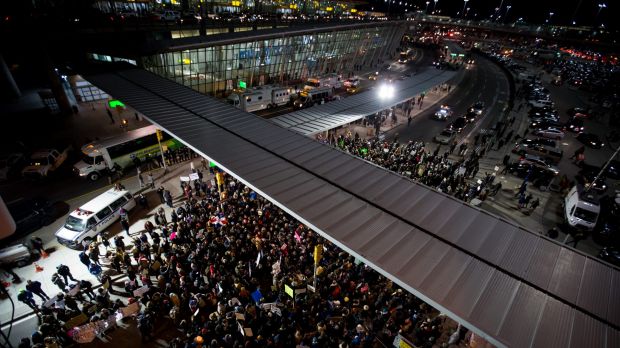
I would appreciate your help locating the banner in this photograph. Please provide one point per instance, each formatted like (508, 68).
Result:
(194, 176)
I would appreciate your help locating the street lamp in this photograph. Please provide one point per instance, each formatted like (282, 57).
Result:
(435, 5)
(386, 91)
(550, 15)
(426, 10)
(601, 6)
(464, 4)
(507, 9)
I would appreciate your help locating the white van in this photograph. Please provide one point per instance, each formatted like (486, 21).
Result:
(85, 222)
(581, 209)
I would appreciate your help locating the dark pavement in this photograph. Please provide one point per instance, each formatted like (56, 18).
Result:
(485, 81)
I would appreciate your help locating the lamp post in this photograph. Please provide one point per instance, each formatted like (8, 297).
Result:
(507, 10)
(498, 10)
(463, 11)
(435, 5)
(601, 6)
(549, 19)
(426, 10)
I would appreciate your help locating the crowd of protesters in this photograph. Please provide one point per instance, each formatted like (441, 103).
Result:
(432, 168)
(217, 266)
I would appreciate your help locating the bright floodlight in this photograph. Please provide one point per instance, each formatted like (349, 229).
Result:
(386, 91)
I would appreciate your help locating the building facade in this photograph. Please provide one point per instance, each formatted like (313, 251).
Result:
(285, 60)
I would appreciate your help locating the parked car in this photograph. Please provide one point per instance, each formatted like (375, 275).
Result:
(31, 214)
(552, 154)
(445, 137)
(579, 113)
(545, 123)
(540, 103)
(590, 140)
(540, 177)
(543, 110)
(540, 162)
(544, 114)
(575, 125)
(551, 133)
(18, 255)
(540, 141)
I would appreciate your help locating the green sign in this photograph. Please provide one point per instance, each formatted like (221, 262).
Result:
(452, 54)
(364, 151)
(289, 291)
(114, 103)
(461, 55)
(242, 84)
(212, 165)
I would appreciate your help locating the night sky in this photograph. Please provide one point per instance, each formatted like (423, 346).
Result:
(584, 12)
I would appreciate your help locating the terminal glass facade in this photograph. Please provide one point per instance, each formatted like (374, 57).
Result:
(286, 60)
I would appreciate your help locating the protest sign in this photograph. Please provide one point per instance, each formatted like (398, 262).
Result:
(141, 291)
(289, 291)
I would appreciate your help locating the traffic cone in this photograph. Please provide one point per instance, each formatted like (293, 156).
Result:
(44, 253)
(38, 268)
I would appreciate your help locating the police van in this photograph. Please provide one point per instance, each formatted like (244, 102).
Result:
(84, 223)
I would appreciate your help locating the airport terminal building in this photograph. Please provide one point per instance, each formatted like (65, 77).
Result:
(216, 64)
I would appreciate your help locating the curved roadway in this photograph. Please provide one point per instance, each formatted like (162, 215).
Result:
(486, 82)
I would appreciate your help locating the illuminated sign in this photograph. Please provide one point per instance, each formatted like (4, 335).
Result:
(236, 3)
(186, 61)
(353, 10)
(242, 84)
(115, 103)
(330, 9)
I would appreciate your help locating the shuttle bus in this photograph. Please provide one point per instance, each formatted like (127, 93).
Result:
(100, 156)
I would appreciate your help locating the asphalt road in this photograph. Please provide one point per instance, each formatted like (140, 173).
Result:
(483, 81)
